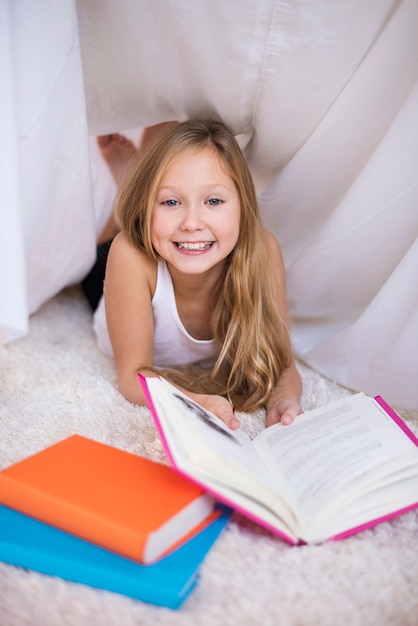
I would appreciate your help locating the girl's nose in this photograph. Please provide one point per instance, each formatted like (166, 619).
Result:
(192, 218)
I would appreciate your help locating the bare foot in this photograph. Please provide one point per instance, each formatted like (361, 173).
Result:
(117, 151)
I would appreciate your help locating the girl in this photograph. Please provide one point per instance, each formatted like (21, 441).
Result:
(195, 286)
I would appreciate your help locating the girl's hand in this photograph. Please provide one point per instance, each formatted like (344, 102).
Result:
(284, 403)
(219, 406)
(284, 411)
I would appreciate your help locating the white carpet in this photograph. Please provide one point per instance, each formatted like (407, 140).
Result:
(55, 382)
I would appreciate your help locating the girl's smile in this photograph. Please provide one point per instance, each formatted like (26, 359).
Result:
(198, 246)
(196, 215)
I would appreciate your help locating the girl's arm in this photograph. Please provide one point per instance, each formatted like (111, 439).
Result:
(284, 402)
(130, 283)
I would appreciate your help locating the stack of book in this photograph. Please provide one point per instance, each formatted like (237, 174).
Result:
(91, 513)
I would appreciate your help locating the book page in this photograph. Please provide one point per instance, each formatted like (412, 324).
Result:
(200, 442)
(326, 450)
(400, 491)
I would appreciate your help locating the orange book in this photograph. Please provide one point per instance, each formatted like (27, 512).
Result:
(135, 507)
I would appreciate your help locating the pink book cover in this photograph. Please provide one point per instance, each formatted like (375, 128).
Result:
(388, 410)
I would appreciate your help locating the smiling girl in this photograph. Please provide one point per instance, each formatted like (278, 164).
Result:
(195, 286)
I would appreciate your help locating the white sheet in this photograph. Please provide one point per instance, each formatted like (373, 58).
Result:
(323, 97)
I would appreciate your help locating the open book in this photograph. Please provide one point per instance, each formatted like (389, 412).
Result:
(335, 471)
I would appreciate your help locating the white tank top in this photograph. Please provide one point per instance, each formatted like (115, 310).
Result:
(173, 345)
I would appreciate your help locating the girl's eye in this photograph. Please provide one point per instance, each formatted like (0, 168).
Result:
(214, 201)
(170, 202)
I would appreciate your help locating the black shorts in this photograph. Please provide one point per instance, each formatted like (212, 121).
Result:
(93, 282)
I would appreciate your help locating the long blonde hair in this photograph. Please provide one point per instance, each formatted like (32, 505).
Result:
(252, 338)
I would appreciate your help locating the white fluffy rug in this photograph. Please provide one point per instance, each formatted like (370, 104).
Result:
(55, 382)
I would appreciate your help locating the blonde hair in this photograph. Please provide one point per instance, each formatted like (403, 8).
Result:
(252, 339)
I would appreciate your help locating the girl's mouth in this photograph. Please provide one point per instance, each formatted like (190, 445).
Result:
(194, 246)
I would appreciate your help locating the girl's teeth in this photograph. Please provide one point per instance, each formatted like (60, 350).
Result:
(201, 245)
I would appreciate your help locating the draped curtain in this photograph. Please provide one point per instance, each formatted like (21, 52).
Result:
(323, 99)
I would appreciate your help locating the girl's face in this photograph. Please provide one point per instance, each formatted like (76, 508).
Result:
(195, 220)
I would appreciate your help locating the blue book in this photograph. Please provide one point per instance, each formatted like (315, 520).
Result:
(29, 543)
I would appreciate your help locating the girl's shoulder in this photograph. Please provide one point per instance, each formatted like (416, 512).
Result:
(127, 260)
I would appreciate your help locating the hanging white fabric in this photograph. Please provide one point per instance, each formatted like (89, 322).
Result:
(323, 98)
